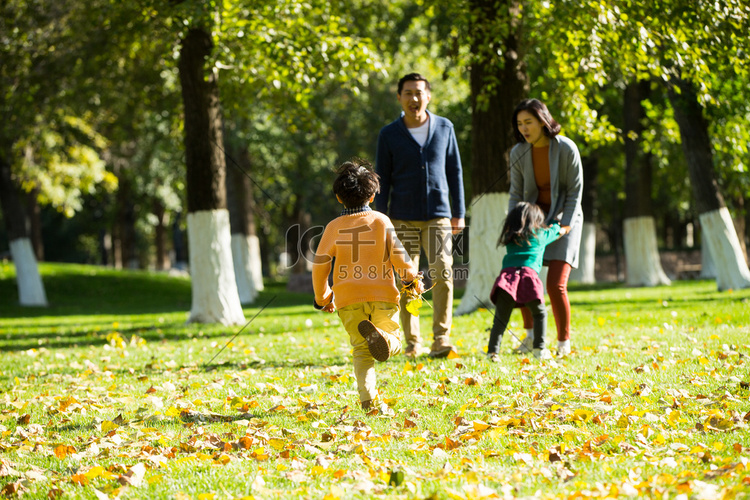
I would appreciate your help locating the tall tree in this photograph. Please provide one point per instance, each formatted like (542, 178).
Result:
(643, 266)
(40, 145)
(716, 222)
(692, 47)
(494, 33)
(215, 295)
(30, 287)
(245, 243)
(273, 48)
(695, 75)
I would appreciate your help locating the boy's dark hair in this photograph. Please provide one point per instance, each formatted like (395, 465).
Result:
(521, 223)
(539, 110)
(413, 77)
(355, 183)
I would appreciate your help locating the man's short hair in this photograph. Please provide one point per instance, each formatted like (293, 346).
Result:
(413, 77)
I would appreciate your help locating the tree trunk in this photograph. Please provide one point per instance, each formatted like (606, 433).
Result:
(739, 223)
(642, 262)
(123, 232)
(585, 273)
(716, 224)
(30, 286)
(708, 269)
(486, 257)
(614, 234)
(215, 296)
(105, 246)
(178, 244)
(160, 237)
(35, 221)
(498, 83)
(245, 243)
(268, 256)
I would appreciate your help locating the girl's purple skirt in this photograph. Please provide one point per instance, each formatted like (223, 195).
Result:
(521, 283)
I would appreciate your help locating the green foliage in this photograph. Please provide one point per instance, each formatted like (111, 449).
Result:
(592, 49)
(285, 50)
(61, 61)
(305, 85)
(60, 161)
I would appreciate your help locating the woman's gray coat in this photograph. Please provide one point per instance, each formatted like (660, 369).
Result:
(566, 184)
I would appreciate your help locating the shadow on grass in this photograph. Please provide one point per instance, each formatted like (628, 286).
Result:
(187, 419)
(64, 336)
(274, 364)
(88, 290)
(218, 365)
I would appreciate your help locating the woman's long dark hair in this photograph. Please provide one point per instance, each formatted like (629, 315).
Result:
(521, 224)
(540, 111)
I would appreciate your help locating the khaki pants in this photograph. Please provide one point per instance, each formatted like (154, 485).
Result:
(435, 237)
(383, 316)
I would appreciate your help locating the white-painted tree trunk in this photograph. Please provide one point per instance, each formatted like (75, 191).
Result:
(708, 269)
(215, 296)
(488, 214)
(721, 238)
(642, 253)
(256, 264)
(243, 268)
(30, 287)
(585, 273)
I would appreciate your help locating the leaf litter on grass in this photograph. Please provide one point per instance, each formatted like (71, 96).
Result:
(638, 418)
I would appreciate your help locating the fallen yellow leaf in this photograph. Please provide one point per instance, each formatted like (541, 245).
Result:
(108, 425)
(480, 426)
(63, 450)
(172, 412)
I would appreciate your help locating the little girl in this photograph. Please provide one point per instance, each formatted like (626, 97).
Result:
(525, 237)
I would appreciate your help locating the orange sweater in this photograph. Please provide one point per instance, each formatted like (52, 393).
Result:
(542, 175)
(366, 251)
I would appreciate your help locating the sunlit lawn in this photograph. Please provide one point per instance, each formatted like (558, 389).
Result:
(108, 393)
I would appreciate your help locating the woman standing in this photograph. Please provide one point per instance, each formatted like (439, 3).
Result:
(545, 168)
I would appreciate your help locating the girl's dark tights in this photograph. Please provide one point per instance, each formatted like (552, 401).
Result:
(503, 308)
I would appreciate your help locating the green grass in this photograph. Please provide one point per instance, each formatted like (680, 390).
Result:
(653, 402)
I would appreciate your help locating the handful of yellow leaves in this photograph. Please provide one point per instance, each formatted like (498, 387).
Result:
(414, 298)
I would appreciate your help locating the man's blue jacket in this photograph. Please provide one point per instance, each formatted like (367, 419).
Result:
(419, 182)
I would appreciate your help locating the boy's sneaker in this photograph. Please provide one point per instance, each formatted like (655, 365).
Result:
(493, 357)
(542, 354)
(526, 346)
(563, 348)
(375, 341)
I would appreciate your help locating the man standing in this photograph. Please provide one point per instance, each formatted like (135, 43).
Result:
(421, 189)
